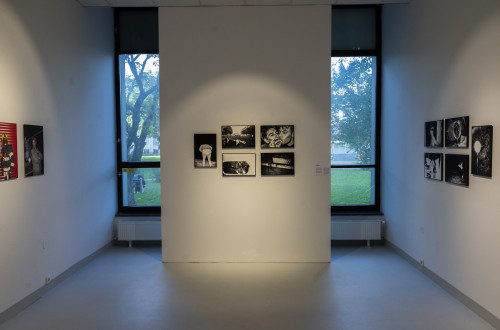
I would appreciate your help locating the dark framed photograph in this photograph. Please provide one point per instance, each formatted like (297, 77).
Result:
(277, 136)
(482, 150)
(433, 166)
(456, 132)
(457, 169)
(277, 163)
(205, 150)
(33, 150)
(238, 136)
(434, 134)
(8, 152)
(238, 164)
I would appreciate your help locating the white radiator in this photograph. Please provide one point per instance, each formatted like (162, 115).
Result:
(357, 230)
(138, 230)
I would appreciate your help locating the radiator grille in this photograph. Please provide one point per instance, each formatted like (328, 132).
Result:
(138, 230)
(356, 230)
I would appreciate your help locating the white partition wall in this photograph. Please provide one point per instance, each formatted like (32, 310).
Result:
(56, 71)
(441, 61)
(245, 66)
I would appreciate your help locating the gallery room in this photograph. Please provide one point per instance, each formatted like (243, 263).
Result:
(249, 164)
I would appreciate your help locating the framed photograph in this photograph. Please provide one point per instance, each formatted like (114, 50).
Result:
(205, 150)
(482, 150)
(456, 132)
(282, 163)
(434, 134)
(457, 169)
(238, 164)
(433, 166)
(238, 137)
(277, 136)
(33, 150)
(8, 152)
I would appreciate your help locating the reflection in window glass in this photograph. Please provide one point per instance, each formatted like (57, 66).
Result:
(139, 107)
(352, 186)
(141, 187)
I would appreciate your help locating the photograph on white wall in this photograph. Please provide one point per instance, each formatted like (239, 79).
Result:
(433, 166)
(456, 132)
(8, 151)
(238, 136)
(482, 151)
(272, 164)
(205, 150)
(434, 134)
(277, 136)
(457, 169)
(33, 150)
(238, 164)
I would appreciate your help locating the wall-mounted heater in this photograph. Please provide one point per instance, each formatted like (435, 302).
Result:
(357, 229)
(138, 229)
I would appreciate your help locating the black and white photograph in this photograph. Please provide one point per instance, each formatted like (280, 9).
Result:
(482, 151)
(277, 136)
(434, 134)
(272, 164)
(457, 169)
(33, 150)
(238, 136)
(205, 150)
(433, 166)
(238, 164)
(456, 132)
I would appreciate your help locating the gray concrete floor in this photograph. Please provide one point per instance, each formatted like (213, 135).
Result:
(362, 288)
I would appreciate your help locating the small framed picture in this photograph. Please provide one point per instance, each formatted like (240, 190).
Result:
(277, 136)
(433, 166)
(277, 163)
(238, 136)
(434, 134)
(456, 132)
(8, 151)
(482, 150)
(205, 150)
(33, 150)
(238, 164)
(457, 169)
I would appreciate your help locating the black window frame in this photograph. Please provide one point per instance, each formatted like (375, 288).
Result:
(129, 210)
(377, 53)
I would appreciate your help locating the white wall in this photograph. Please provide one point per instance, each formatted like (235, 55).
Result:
(441, 61)
(56, 64)
(239, 66)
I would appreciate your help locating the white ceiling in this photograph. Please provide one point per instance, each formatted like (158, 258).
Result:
(203, 3)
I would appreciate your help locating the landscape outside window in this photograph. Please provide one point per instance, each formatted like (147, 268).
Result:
(353, 136)
(140, 132)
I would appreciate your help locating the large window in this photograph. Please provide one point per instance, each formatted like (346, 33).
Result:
(138, 110)
(355, 67)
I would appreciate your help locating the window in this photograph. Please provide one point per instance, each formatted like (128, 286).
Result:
(355, 90)
(138, 109)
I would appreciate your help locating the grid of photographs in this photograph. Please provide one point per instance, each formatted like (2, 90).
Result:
(277, 137)
(454, 133)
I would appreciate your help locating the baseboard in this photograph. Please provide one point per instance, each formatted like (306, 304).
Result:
(33, 297)
(457, 294)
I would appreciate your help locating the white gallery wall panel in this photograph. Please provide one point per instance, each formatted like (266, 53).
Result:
(441, 61)
(56, 67)
(245, 66)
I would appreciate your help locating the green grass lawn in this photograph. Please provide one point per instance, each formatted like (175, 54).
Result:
(151, 195)
(152, 158)
(351, 186)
